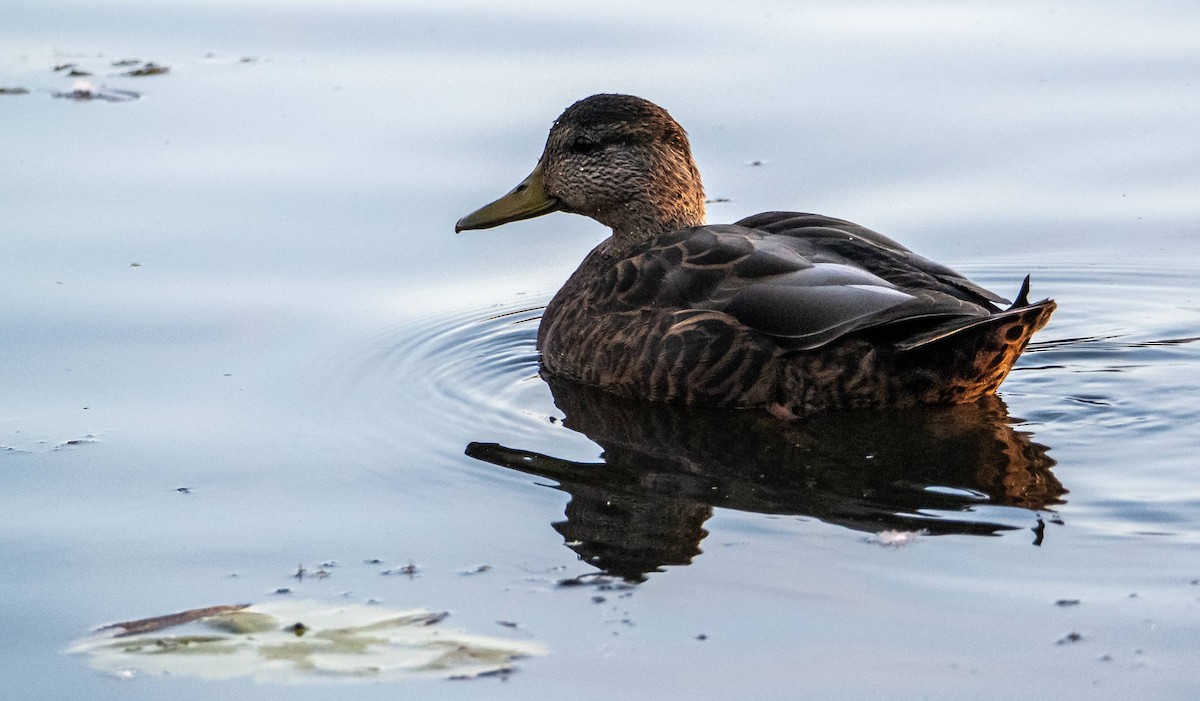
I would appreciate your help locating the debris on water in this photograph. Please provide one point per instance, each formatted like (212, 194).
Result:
(373, 561)
(135, 265)
(503, 673)
(429, 619)
(63, 66)
(126, 62)
(247, 59)
(896, 539)
(14, 91)
(507, 624)
(478, 570)
(89, 438)
(1067, 602)
(1071, 637)
(83, 91)
(78, 73)
(598, 599)
(591, 578)
(282, 590)
(599, 580)
(410, 570)
(343, 643)
(717, 200)
(756, 162)
(184, 490)
(148, 69)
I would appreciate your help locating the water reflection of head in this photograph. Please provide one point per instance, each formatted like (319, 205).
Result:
(665, 467)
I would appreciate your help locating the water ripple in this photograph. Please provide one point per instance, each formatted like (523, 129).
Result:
(477, 366)
(1112, 326)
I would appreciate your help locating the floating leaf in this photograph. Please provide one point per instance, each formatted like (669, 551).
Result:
(299, 642)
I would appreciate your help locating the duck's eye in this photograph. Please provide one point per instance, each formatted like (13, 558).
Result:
(584, 145)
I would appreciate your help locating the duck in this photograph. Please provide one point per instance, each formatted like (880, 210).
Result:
(788, 312)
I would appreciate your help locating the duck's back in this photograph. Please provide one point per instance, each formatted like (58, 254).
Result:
(740, 315)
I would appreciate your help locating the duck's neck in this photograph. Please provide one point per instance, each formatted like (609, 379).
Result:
(671, 201)
(640, 227)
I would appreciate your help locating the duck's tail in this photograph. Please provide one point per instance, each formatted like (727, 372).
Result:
(1013, 325)
(958, 361)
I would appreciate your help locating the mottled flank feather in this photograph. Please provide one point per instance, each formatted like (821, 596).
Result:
(794, 313)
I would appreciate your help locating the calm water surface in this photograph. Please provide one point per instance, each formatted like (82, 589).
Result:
(306, 367)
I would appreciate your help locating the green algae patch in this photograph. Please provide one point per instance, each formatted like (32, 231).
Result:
(299, 642)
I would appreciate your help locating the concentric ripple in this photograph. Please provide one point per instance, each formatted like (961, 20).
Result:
(468, 367)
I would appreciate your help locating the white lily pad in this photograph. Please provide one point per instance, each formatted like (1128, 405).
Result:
(299, 642)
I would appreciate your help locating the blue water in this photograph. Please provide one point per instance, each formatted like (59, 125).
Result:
(331, 375)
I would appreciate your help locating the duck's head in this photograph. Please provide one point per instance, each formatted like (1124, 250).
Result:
(618, 159)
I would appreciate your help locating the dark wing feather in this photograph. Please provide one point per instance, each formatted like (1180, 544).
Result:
(874, 251)
(795, 289)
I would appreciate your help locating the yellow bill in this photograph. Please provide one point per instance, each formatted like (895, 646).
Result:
(525, 201)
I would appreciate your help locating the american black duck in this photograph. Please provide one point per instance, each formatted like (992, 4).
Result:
(789, 312)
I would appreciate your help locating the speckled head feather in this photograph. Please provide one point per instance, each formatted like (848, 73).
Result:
(624, 116)
(626, 163)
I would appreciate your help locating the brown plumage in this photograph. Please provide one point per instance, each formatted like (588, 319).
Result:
(790, 312)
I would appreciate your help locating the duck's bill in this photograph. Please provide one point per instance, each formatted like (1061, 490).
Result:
(525, 201)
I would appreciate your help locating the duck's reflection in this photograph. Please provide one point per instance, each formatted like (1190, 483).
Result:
(665, 467)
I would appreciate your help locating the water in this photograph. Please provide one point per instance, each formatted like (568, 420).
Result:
(306, 367)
